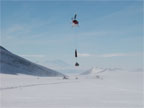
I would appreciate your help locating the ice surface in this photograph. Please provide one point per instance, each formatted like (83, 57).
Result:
(115, 90)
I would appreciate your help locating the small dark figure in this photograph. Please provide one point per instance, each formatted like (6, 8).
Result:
(76, 78)
(97, 76)
(76, 64)
(65, 77)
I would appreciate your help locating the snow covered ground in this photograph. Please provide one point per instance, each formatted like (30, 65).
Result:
(112, 89)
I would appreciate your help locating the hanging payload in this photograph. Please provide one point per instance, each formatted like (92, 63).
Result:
(74, 21)
(76, 64)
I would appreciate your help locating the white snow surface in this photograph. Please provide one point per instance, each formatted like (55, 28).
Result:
(114, 89)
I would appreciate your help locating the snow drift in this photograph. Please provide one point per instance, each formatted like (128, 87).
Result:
(101, 73)
(96, 70)
(13, 64)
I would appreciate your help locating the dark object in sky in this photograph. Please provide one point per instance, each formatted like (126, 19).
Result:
(76, 64)
(75, 16)
(76, 53)
(74, 21)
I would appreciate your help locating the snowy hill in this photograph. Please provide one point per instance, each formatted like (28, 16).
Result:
(101, 73)
(13, 64)
(96, 70)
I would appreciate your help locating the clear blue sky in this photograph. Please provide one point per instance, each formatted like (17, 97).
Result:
(110, 32)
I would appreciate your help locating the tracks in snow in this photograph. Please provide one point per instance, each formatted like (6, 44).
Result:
(30, 85)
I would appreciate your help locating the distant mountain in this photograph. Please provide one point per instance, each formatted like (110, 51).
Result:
(96, 70)
(13, 64)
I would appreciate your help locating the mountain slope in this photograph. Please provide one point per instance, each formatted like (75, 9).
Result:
(13, 64)
(96, 71)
